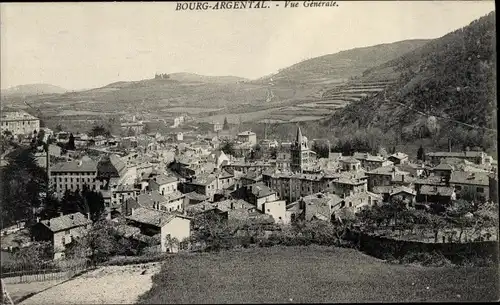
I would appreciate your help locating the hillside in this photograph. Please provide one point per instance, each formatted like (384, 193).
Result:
(191, 77)
(451, 78)
(338, 67)
(32, 89)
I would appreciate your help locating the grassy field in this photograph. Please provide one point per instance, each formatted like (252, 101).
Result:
(311, 274)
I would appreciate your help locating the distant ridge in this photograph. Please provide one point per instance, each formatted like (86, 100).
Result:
(344, 64)
(33, 89)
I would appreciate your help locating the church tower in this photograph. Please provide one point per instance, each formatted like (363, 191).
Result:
(299, 153)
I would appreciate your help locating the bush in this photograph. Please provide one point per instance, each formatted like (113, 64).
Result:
(428, 259)
(131, 260)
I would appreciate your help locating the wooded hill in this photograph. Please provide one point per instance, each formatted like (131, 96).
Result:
(451, 78)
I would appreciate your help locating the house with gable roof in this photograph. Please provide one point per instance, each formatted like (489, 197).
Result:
(477, 184)
(61, 231)
(167, 226)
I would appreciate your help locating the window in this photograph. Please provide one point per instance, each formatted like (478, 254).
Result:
(480, 190)
(458, 187)
(66, 232)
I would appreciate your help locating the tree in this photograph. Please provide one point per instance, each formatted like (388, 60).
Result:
(24, 183)
(228, 148)
(421, 154)
(99, 130)
(100, 241)
(71, 142)
(321, 149)
(225, 126)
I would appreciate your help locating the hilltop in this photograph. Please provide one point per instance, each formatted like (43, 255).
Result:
(451, 78)
(32, 89)
(338, 67)
(192, 77)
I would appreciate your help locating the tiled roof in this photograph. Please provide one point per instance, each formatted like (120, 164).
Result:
(246, 133)
(399, 155)
(444, 166)
(469, 178)
(148, 199)
(195, 196)
(163, 179)
(223, 206)
(75, 166)
(174, 196)
(322, 199)
(66, 222)
(260, 190)
(383, 189)
(471, 154)
(387, 170)
(203, 179)
(436, 190)
(351, 160)
(404, 189)
(151, 217)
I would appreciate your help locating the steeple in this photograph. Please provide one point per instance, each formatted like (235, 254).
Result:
(299, 136)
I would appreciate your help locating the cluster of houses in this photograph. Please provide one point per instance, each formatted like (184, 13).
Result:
(153, 185)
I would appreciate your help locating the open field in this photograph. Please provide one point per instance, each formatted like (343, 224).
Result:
(312, 274)
(106, 285)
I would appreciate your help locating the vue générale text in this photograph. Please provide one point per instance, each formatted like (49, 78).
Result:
(235, 5)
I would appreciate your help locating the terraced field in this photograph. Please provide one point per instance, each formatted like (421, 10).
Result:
(335, 98)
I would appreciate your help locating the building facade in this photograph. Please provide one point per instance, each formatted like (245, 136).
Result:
(19, 123)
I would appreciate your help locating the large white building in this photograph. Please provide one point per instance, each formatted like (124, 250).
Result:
(74, 175)
(19, 123)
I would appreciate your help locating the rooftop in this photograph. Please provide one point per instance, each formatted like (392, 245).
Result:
(16, 116)
(260, 190)
(470, 154)
(436, 190)
(66, 222)
(403, 189)
(147, 200)
(399, 155)
(152, 217)
(246, 133)
(163, 179)
(84, 165)
(470, 178)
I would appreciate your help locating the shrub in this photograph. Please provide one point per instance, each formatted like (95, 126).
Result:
(430, 259)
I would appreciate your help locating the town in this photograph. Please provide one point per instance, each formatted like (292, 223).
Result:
(153, 186)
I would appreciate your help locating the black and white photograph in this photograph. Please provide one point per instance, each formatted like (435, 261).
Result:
(210, 152)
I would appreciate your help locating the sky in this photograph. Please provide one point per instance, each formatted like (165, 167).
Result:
(88, 45)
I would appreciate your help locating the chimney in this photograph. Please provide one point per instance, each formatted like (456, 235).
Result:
(402, 178)
(88, 216)
(38, 219)
(48, 223)
(61, 213)
(232, 205)
(71, 216)
(132, 212)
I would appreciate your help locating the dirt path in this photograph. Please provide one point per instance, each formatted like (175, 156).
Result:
(106, 285)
